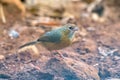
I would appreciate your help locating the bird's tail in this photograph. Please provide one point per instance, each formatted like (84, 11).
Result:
(28, 44)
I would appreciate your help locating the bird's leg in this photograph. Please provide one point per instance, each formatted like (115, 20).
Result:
(59, 53)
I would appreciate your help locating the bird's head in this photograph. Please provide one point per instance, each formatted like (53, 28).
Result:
(69, 30)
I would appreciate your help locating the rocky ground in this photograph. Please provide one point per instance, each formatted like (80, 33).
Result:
(94, 55)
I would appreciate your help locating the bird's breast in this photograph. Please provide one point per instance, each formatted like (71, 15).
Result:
(64, 42)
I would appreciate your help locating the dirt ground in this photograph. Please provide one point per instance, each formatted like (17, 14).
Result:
(97, 47)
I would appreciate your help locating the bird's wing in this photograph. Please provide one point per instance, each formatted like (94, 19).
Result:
(52, 36)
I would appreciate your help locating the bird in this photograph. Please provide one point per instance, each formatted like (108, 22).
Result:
(56, 39)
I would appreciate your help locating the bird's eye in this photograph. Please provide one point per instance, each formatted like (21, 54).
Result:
(71, 28)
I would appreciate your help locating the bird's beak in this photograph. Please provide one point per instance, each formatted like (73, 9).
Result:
(75, 29)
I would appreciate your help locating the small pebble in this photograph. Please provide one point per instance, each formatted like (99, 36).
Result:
(2, 57)
(13, 34)
(91, 29)
(116, 58)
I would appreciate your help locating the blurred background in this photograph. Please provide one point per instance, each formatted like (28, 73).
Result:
(95, 54)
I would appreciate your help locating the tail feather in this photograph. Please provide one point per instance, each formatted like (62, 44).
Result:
(28, 44)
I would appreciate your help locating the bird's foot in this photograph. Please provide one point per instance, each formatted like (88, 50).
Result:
(58, 53)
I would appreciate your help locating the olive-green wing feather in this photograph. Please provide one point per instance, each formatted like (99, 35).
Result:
(52, 36)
